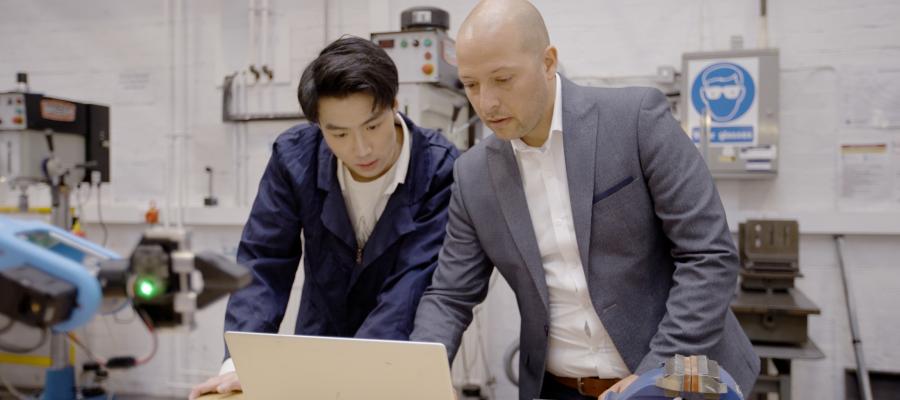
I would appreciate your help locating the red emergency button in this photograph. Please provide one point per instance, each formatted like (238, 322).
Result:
(17, 120)
(427, 69)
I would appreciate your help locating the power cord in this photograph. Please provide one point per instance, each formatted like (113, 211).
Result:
(121, 361)
(100, 214)
(12, 390)
(23, 349)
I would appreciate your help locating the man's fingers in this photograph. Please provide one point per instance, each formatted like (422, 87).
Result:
(210, 385)
(229, 383)
(231, 386)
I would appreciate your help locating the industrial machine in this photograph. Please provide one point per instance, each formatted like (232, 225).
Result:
(773, 313)
(46, 140)
(730, 109)
(52, 280)
(769, 307)
(688, 378)
(425, 55)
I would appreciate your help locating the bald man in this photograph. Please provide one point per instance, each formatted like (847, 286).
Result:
(598, 211)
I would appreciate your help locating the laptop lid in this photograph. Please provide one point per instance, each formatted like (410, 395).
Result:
(314, 367)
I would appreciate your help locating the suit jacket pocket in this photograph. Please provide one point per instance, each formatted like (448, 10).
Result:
(613, 189)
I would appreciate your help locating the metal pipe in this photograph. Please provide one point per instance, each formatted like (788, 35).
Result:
(59, 350)
(264, 56)
(242, 137)
(170, 167)
(763, 29)
(862, 373)
(185, 113)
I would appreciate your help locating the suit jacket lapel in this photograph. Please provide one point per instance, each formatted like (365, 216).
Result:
(507, 182)
(580, 144)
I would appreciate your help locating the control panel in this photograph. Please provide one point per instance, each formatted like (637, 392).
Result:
(12, 111)
(421, 56)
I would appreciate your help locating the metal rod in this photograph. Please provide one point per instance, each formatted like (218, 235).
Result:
(862, 374)
(59, 350)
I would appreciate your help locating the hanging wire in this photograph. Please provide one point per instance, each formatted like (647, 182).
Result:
(100, 214)
(138, 361)
(12, 390)
(12, 348)
(149, 324)
(8, 326)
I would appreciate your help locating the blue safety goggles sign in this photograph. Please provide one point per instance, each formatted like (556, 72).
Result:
(723, 95)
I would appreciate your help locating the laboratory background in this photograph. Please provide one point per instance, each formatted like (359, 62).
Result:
(142, 128)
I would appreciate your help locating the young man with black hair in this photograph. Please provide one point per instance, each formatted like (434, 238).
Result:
(369, 192)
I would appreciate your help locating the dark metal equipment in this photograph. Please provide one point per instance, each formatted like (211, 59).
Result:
(771, 310)
(774, 317)
(768, 306)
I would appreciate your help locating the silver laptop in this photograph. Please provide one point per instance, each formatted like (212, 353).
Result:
(312, 367)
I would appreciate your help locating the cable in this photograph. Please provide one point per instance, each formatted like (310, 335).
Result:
(100, 214)
(115, 310)
(79, 200)
(489, 378)
(8, 326)
(79, 205)
(149, 325)
(508, 357)
(24, 349)
(121, 361)
(122, 321)
(87, 350)
(12, 390)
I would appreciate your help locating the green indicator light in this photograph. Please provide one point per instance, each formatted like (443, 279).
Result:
(146, 288)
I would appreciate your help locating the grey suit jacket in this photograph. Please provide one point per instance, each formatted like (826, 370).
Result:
(659, 260)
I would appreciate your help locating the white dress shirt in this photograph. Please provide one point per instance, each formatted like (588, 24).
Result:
(365, 200)
(578, 344)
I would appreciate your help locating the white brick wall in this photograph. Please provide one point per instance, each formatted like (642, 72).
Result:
(84, 50)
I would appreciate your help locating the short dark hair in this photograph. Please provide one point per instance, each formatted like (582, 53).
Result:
(348, 66)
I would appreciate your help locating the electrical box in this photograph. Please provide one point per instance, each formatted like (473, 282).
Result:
(422, 56)
(730, 110)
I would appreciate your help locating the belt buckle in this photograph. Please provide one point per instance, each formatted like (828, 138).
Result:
(580, 385)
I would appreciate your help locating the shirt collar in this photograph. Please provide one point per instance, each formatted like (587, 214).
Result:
(397, 173)
(555, 125)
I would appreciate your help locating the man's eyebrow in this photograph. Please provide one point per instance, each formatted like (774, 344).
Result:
(371, 118)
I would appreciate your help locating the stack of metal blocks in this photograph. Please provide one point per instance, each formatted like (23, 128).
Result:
(770, 309)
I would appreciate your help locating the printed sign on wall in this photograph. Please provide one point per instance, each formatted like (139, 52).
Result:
(727, 88)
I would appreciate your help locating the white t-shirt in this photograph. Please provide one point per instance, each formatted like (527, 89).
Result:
(366, 200)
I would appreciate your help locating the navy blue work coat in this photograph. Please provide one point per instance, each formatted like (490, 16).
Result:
(373, 298)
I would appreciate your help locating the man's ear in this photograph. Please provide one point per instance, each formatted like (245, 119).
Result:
(550, 62)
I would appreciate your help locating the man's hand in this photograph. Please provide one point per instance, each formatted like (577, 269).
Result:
(619, 387)
(218, 384)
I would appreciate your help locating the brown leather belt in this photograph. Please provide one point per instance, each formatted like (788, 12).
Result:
(587, 386)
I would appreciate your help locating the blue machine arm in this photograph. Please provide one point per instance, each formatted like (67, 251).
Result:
(688, 378)
(26, 243)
